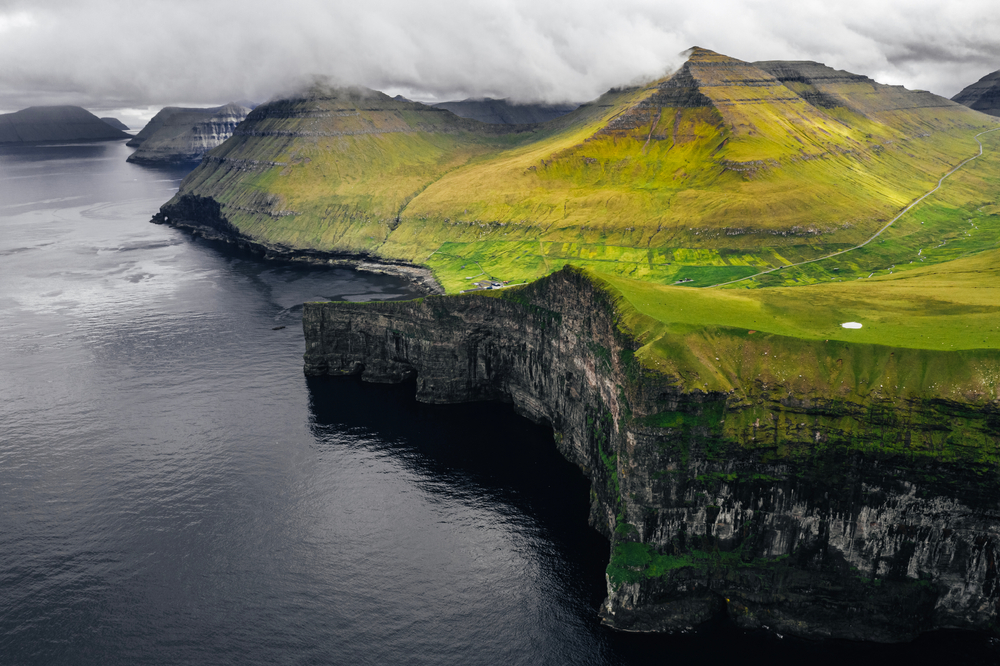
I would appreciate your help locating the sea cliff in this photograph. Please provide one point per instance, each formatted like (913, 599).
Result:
(176, 135)
(825, 507)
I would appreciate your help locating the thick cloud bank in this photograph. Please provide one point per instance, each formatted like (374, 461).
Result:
(107, 54)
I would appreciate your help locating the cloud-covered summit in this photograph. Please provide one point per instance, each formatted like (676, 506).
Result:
(112, 54)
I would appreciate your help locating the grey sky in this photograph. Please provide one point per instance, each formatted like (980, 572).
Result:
(136, 56)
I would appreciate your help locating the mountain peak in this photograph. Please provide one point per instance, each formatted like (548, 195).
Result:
(696, 54)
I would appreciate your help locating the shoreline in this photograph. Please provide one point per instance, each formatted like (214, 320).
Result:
(420, 278)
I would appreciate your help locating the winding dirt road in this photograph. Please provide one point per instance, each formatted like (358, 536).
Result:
(879, 232)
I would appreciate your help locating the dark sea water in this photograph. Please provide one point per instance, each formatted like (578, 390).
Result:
(173, 490)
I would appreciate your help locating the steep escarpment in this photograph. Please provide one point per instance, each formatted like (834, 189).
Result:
(832, 507)
(983, 95)
(38, 124)
(176, 135)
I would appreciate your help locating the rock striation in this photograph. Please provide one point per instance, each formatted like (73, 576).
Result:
(787, 507)
(505, 112)
(829, 88)
(983, 95)
(176, 135)
(38, 124)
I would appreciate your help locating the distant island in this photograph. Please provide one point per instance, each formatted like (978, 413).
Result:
(177, 134)
(38, 124)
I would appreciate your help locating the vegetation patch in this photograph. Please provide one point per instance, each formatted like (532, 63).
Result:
(633, 562)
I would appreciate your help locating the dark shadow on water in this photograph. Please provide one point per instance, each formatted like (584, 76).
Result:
(488, 451)
(330, 283)
(481, 450)
(41, 152)
(168, 167)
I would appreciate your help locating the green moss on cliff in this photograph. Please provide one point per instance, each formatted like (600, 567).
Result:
(634, 561)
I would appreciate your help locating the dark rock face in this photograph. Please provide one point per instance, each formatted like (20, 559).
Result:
(211, 222)
(176, 135)
(983, 95)
(681, 91)
(503, 112)
(38, 124)
(833, 541)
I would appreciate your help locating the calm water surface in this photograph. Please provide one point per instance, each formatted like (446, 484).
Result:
(173, 490)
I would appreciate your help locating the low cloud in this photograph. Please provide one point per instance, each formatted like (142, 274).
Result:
(141, 54)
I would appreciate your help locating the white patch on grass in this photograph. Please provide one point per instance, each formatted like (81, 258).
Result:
(851, 324)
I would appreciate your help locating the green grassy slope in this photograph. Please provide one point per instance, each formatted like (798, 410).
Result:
(704, 175)
(952, 306)
(740, 171)
(932, 334)
(959, 220)
(332, 169)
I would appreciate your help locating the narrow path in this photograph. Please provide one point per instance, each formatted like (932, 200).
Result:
(879, 232)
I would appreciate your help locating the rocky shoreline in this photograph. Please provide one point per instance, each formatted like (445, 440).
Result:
(202, 216)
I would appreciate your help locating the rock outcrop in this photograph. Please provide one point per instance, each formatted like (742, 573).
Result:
(787, 507)
(38, 124)
(177, 135)
(983, 95)
(504, 112)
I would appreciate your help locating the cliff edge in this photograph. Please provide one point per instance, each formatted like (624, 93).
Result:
(823, 505)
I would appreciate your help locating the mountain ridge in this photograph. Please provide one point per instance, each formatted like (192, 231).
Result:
(721, 154)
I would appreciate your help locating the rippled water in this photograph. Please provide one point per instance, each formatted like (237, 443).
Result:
(174, 490)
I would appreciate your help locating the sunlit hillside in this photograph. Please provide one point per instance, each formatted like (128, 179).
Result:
(714, 173)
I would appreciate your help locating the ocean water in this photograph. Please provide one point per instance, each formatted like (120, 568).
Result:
(173, 490)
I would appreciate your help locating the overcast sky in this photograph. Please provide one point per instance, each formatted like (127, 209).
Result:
(133, 57)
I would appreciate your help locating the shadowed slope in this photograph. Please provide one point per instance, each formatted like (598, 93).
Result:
(502, 112)
(984, 95)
